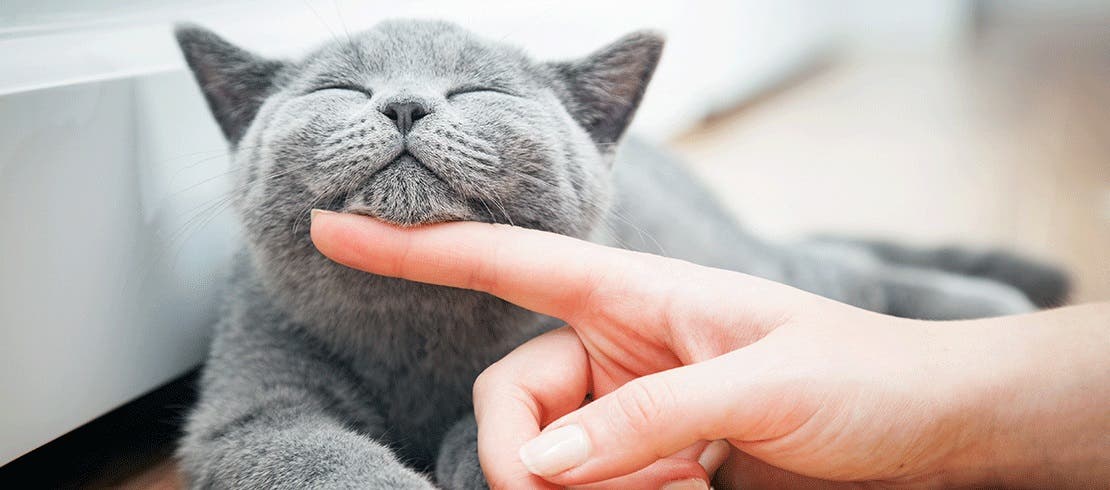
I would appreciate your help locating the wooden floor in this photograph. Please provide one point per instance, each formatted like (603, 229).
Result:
(163, 475)
(1005, 143)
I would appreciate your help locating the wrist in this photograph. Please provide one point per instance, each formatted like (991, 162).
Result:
(1033, 398)
(984, 390)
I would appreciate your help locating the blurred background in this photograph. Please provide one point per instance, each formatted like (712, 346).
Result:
(981, 122)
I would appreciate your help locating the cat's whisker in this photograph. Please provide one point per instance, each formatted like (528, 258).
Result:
(611, 233)
(616, 214)
(307, 3)
(459, 170)
(176, 241)
(500, 204)
(488, 210)
(207, 211)
(545, 184)
(218, 176)
(227, 204)
(247, 186)
(326, 193)
(612, 212)
(472, 189)
(464, 144)
(211, 155)
(206, 156)
(339, 16)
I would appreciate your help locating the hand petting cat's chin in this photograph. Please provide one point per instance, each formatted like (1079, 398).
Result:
(405, 192)
(405, 218)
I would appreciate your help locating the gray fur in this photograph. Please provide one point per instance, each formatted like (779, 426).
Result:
(656, 199)
(1045, 284)
(325, 377)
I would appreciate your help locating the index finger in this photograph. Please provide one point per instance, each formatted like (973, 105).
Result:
(543, 272)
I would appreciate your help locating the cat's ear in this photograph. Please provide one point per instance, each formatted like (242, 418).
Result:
(234, 81)
(603, 90)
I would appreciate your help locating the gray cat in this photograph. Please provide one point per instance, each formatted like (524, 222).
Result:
(321, 376)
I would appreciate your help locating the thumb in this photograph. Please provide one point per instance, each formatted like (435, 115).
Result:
(644, 420)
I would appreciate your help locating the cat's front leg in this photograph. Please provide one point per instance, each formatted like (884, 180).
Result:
(291, 448)
(275, 411)
(457, 466)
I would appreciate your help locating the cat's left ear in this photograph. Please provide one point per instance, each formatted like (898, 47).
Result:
(603, 90)
(234, 81)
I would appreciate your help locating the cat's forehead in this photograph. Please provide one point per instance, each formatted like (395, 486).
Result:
(418, 49)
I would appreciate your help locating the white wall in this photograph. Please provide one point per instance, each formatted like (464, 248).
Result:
(108, 280)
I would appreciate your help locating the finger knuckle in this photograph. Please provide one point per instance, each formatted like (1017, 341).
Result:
(481, 277)
(640, 406)
(488, 382)
(484, 380)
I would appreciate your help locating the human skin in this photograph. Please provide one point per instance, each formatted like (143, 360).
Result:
(807, 391)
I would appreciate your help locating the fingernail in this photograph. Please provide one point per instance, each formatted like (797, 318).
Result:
(317, 212)
(557, 451)
(691, 484)
(714, 455)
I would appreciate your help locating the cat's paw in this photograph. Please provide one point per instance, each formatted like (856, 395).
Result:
(313, 452)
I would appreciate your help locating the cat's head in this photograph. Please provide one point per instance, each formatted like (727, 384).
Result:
(415, 122)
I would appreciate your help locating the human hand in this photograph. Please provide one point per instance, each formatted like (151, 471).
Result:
(675, 354)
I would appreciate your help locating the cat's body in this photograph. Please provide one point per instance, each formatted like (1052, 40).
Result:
(656, 197)
(322, 376)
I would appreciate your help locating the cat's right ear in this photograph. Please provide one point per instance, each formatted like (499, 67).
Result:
(234, 81)
(603, 90)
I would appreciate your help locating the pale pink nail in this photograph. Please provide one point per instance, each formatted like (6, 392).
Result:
(556, 451)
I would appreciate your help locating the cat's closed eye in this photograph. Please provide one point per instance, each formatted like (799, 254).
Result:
(343, 87)
(476, 89)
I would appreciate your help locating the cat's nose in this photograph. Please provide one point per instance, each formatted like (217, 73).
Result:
(404, 114)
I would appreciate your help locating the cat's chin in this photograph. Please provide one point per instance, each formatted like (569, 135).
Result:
(407, 193)
(414, 217)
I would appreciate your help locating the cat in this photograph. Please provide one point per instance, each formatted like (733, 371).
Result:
(320, 376)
